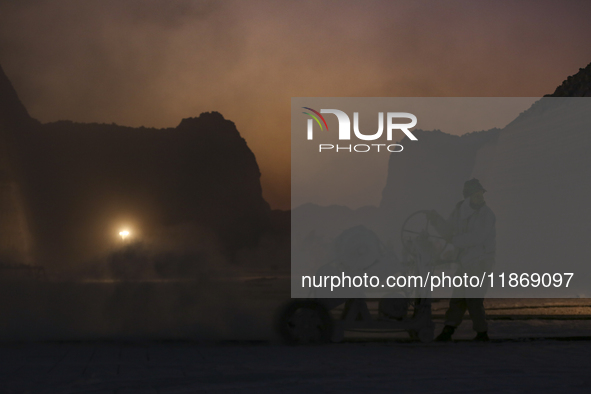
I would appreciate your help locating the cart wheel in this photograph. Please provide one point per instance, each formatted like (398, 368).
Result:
(426, 334)
(413, 334)
(416, 225)
(305, 322)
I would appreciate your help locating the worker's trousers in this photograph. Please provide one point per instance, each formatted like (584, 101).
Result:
(470, 298)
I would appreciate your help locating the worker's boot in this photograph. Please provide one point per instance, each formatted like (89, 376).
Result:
(446, 334)
(481, 337)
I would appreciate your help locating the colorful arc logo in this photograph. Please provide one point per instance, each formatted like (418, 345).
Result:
(316, 117)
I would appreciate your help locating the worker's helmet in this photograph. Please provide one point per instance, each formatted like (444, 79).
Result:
(472, 186)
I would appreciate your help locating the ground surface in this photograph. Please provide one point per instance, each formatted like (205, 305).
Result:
(525, 356)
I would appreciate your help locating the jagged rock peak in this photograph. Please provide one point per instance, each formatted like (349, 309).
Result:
(12, 111)
(208, 120)
(578, 85)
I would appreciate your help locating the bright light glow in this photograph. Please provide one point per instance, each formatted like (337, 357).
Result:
(124, 234)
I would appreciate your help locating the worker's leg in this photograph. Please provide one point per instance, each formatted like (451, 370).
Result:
(457, 305)
(475, 295)
(454, 315)
(477, 313)
(456, 311)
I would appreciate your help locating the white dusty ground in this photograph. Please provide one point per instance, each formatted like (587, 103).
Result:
(525, 356)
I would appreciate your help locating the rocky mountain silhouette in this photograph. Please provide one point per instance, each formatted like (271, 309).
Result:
(74, 183)
(12, 112)
(577, 85)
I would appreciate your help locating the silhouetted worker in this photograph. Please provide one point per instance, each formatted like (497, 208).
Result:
(471, 230)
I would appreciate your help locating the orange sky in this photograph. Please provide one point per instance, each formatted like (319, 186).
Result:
(153, 63)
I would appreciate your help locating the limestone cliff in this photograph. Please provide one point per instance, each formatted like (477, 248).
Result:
(80, 181)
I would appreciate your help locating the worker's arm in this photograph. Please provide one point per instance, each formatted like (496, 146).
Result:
(443, 227)
(478, 235)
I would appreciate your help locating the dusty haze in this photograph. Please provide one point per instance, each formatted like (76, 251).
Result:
(153, 63)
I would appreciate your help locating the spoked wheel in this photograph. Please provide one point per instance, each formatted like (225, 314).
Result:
(305, 322)
(413, 334)
(426, 334)
(418, 225)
